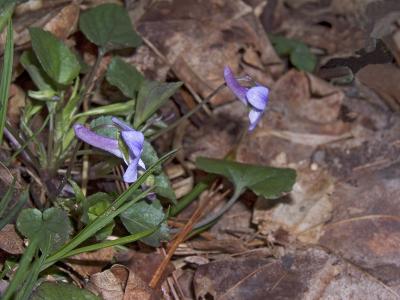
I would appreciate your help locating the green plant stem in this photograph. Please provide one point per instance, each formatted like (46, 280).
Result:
(187, 199)
(33, 136)
(189, 114)
(106, 244)
(6, 76)
(25, 292)
(22, 271)
(224, 209)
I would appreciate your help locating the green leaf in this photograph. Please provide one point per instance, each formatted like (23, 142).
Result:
(109, 27)
(265, 181)
(79, 196)
(163, 187)
(143, 216)
(152, 95)
(6, 75)
(282, 45)
(94, 206)
(124, 76)
(123, 108)
(303, 59)
(6, 10)
(58, 61)
(35, 71)
(300, 55)
(51, 227)
(104, 126)
(62, 291)
(150, 157)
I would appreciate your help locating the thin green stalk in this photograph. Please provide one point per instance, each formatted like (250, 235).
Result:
(33, 136)
(189, 114)
(22, 271)
(25, 292)
(6, 77)
(120, 241)
(189, 198)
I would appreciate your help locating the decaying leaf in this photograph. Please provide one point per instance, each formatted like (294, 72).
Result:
(90, 263)
(308, 205)
(307, 274)
(10, 241)
(198, 39)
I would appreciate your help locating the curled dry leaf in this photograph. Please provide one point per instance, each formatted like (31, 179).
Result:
(106, 285)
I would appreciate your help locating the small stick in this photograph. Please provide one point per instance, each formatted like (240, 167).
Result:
(179, 239)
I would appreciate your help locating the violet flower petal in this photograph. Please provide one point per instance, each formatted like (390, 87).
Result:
(258, 97)
(104, 143)
(234, 85)
(254, 117)
(124, 126)
(134, 140)
(130, 174)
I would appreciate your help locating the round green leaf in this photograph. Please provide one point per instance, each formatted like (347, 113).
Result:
(52, 227)
(109, 27)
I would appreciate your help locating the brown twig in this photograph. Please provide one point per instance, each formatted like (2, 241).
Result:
(179, 239)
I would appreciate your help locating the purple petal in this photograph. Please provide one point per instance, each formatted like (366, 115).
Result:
(134, 140)
(124, 126)
(130, 174)
(258, 97)
(254, 118)
(96, 140)
(234, 86)
(141, 164)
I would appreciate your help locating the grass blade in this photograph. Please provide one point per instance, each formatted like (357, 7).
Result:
(6, 77)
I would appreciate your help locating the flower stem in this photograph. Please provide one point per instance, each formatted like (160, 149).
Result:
(190, 113)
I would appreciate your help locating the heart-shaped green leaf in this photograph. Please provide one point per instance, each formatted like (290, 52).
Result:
(52, 227)
(62, 291)
(142, 216)
(124, 76)
(56, 59)
(300, 55)
(109, 27)
(264, 181)
(152, 95)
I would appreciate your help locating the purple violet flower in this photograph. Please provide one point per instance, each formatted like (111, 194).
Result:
(133, 140)
(256, 97)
